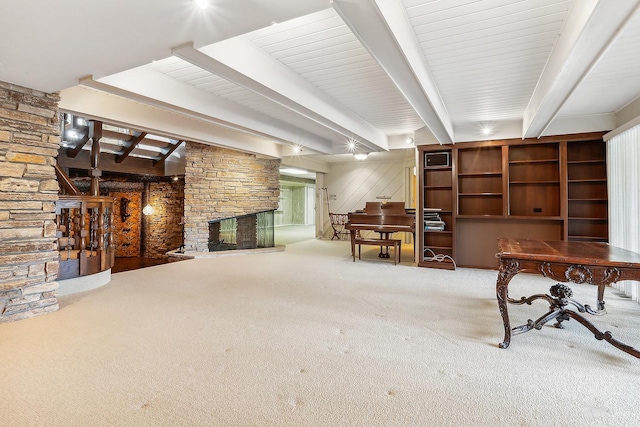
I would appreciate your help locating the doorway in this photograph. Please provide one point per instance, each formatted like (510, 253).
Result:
(296, 213)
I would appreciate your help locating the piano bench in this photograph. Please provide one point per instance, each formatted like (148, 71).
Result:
(396, 243)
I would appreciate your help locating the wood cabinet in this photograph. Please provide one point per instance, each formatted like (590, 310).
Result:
(552, 188)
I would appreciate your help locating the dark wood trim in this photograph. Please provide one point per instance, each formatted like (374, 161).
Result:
(168, 153)
(515, 141)
(134, 165)
(68, 187)
(73, 152)
(132, 145)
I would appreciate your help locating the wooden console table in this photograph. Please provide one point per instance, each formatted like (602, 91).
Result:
(597, 264)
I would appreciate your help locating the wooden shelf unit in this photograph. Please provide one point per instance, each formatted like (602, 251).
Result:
(534, 180)
(587, 191)
(437, 189)
(551, 188)
(480, 188)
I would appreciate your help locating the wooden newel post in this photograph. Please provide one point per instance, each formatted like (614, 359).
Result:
(95, 133)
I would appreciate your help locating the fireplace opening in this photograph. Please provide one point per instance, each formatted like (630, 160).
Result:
(249, 231)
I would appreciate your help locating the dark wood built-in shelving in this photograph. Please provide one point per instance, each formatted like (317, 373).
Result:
(551, 188)
(437, 192)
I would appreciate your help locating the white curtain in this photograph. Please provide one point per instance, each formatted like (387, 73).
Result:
(623, 175)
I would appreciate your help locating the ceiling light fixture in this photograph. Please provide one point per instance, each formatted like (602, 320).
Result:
(297, 149)
(487, 130)
(409, 140)
(360, 156)
(352, 144)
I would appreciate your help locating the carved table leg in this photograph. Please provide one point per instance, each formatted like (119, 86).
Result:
(601, 309)
(508, 269)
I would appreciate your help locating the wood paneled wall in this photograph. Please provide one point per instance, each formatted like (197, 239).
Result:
(350, 185)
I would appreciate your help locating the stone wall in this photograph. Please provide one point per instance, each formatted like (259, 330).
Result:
(164, 226)
(222, 183)
(29, 142)
(127, 232)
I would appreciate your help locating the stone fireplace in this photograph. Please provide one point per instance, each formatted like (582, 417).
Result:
(223, 184)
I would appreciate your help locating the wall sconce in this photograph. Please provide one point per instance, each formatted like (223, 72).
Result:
(148, 210)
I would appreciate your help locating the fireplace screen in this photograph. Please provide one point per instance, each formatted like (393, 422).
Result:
(242, 232)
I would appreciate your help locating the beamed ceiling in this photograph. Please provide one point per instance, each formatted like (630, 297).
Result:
(264, 76)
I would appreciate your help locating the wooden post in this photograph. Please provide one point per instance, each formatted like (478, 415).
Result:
(95, 132)
(82, 236)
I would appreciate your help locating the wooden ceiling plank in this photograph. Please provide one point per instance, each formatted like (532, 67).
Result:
(130, 147)
(166, 155)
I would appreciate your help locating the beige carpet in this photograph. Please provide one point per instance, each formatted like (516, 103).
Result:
(306, 337)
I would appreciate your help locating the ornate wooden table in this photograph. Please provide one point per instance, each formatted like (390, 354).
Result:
(578, 262)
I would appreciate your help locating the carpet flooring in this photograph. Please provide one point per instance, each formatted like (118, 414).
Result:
(306, 337)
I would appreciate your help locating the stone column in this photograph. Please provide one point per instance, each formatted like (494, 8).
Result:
(29, 142)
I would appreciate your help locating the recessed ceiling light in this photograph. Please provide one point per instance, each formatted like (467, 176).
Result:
(360, 156)
(486, 130)
(352, 144)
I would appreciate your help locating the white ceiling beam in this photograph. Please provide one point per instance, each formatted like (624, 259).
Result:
(143, 84)
(382, 26)
(589, 31)
(240, 62)
(123, 111)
